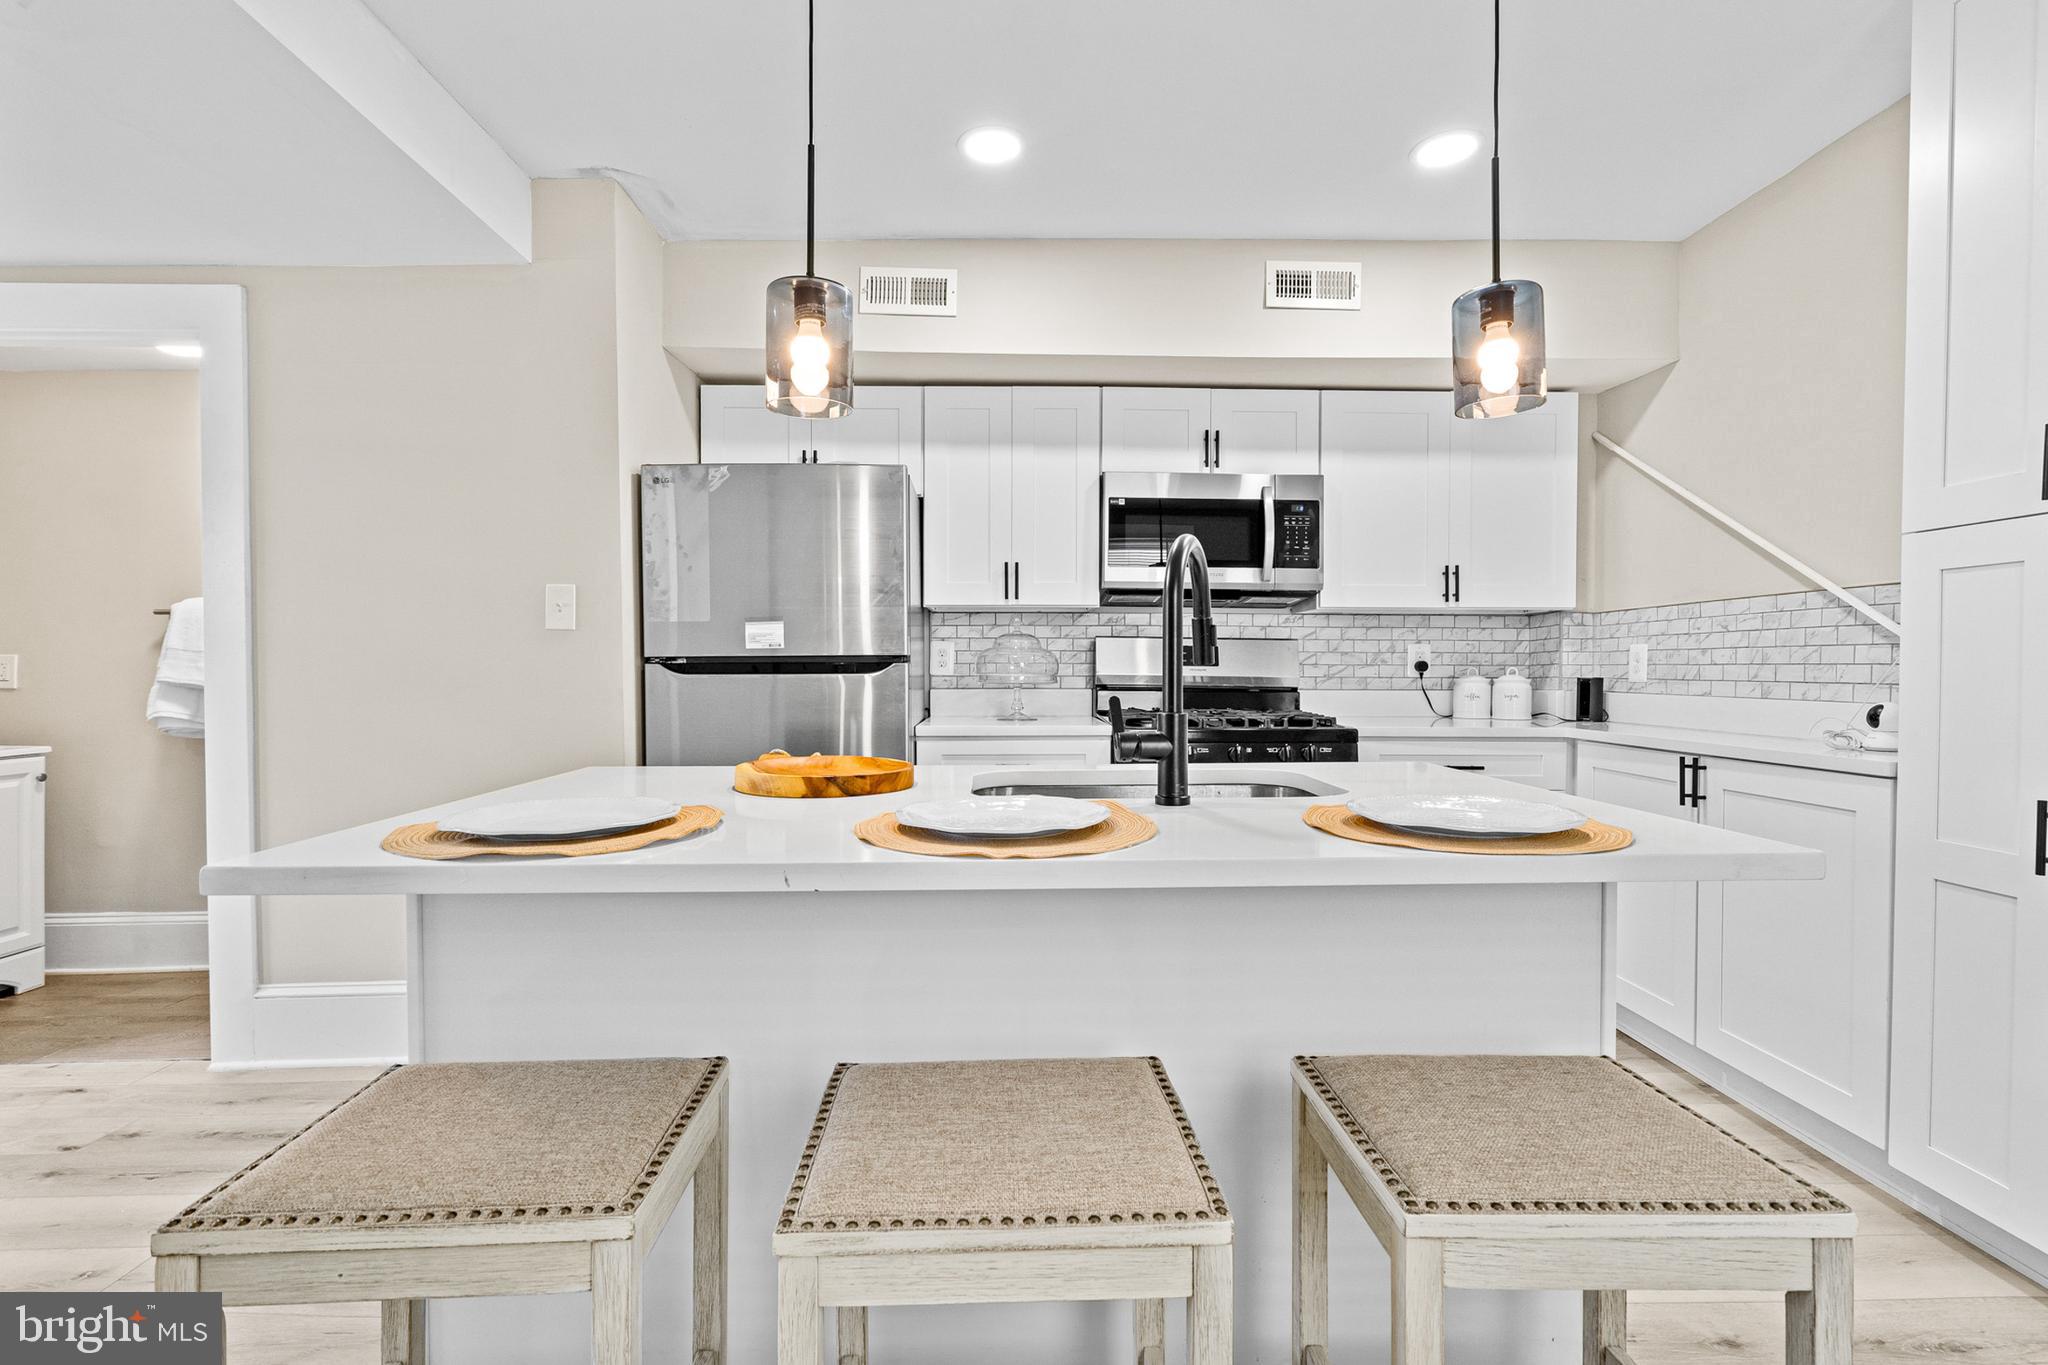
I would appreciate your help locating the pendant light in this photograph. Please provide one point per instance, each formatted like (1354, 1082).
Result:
(810, 320)
(1497, 360)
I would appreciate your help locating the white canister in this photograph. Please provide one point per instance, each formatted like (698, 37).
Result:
(1511, 696)
(1471, 698)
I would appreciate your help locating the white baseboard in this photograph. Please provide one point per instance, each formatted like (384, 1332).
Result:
(126, 941)
(322, 1023)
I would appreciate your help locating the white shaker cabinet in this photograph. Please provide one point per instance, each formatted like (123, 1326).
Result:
(1657, 923)
(1976, 397)
(21, 872)
(1969, 1111)
(1019, 751)
(885, 427)
(1423, 510)
(1386, 495)
(1794, 987)
(1219, 431)
(1011, 510)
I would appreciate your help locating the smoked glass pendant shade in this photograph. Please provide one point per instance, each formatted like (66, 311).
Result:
(810, 347)
(1497, 359)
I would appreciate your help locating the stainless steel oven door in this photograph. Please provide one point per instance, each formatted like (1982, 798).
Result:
(1261, 534)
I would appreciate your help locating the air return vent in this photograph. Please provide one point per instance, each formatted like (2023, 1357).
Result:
(1312, 284)
(910, 289)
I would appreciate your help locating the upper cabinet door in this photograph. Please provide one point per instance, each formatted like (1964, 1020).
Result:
(886, 426)
(1970, 924)
(736, 427)
(1514, 500)
(967, 549)
(1156, 431)
(1386, 486)
(1264, 431)
(1055, 499)
(1976, 402)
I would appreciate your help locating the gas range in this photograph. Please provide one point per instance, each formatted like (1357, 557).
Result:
(1246, 709)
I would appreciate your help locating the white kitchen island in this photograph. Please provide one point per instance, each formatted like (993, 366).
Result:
(1235, 939)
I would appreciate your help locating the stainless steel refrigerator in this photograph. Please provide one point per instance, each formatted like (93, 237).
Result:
(780, 609)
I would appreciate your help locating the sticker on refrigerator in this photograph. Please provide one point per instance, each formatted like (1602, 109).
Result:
(764, 635)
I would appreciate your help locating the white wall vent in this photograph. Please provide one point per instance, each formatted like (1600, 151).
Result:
(910, 289)
(1312, 284)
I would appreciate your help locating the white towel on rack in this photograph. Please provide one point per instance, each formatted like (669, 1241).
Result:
(177, 698)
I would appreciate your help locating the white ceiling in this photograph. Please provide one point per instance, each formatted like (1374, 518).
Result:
(1623, 119)
(182, 132)
(21, 358)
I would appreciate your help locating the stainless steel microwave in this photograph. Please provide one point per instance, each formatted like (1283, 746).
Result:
(1262, 533)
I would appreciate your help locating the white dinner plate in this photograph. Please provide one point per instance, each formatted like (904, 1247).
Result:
(1003, 817)
(1470, 817)
(561, 817)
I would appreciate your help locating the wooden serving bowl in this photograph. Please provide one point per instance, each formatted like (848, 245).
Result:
(780, 774)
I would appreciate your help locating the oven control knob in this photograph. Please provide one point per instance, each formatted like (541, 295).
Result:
(1242, 753)
(1287, 753)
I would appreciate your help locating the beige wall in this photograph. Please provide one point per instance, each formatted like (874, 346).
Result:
(430, 447)
(1184, 312)
(99, 526)
(1784, 405)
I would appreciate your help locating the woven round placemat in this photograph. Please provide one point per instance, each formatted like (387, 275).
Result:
(429, 840)
(1591, 837)
(1124, 828)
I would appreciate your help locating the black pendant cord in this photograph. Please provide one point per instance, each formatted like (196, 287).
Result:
(1496, 141)
(811, 141)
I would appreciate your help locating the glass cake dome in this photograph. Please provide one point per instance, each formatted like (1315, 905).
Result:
(1021, 661)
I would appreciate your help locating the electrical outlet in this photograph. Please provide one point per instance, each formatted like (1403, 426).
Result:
(560, 612)
(10, 671)
(1638, 663)
(1418, 652)
(942, 658)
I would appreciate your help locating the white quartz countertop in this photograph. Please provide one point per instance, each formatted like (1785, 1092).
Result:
(1761, 748)
(770, 845)
(988, 727)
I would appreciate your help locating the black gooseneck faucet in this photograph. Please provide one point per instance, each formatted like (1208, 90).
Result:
(1186, 564)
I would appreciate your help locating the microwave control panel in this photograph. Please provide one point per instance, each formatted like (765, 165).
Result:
(1295, 528)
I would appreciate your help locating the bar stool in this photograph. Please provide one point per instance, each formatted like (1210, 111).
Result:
(1551, 1173)
(460, 1180)
(1002, 1182)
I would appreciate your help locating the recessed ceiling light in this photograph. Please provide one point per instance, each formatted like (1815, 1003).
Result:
(183, 350)
(991, 146)
(1445, 149)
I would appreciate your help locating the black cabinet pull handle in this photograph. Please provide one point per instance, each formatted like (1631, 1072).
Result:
(1457, 585)
(1684, 789)
(1205, 447)
(1467, 767)
(1447, 582)
(1017, 578)
(2041, 838)
(1219, 447)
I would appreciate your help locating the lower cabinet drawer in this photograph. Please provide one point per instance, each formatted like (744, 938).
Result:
(1538, 763)
(1075, 752)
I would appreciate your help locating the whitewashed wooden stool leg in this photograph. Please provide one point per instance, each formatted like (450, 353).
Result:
(615, 1303)
(405, 1331)
(1818, 1321)
(799, 1338)
(1209, 1307)
(177, 1274)
(1418, 1300)
(1311, 1242)
(852, 1336)
(708, 1238)
(1148, 1330)
(1606, 1325)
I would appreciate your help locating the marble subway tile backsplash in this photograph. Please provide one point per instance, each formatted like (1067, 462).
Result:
(1790, 646)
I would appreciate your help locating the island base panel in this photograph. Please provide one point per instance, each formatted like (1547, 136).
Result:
(1225, 985)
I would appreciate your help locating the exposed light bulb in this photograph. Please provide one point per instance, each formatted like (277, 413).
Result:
(810, 380)
(1499, 359)
(808, 346)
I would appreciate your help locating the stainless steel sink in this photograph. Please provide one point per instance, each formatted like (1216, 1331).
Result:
(1135, 791)
(1135, 782)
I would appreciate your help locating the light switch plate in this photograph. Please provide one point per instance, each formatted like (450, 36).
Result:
(942, 658)
(561, 606)
(1638, 663)
(10, 671)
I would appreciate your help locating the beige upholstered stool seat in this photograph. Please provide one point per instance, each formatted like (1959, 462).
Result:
(470, 1179)
(1006, 1181)
(1552, 1173)
(1545, 1135)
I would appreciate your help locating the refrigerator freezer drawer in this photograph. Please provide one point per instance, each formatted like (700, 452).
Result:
(713, 718)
